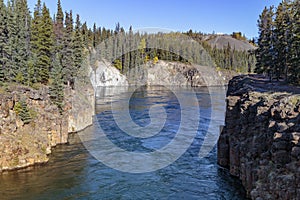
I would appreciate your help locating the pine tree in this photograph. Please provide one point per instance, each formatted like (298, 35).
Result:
(280, 41)
(3, 41)
(56, 87)
(12, 41)
(46, 45)
(85, 35)
(22, 111)
(23, 20)
(69, 71)
(77, 47)
(265, 51)
(295, 43)
(59, 28)
(35, 43)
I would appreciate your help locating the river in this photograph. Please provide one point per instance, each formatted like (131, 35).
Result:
(73, 171)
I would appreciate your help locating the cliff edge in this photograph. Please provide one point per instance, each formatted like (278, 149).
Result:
(30, 124)
(260, 142)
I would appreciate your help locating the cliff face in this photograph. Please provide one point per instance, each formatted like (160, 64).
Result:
(161, 73)
(27, 143)
(180, 74)
(106, 75)
(260, 143)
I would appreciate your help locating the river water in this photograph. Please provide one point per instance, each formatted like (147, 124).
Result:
(73, 172)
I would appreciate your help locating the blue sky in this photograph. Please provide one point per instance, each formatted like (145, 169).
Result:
(220, 16)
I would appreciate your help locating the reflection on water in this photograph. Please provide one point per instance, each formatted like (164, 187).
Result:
(72, 173)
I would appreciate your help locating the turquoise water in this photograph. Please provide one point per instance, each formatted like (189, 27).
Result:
(73, 173)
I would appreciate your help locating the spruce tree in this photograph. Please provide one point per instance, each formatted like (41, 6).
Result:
(35, 43)
(280, 41)
(59, 28)
(56, 87)
(77, 47)
(68, 56)
(22, 111)
(3, 41)
(12, 41)
(295, 43)
(85, 35)
(46, 45)
(23, 20)
(265, 51)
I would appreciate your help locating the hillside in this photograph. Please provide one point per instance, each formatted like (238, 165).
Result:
(221, 41)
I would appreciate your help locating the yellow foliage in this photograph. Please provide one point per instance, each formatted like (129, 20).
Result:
(155, 60)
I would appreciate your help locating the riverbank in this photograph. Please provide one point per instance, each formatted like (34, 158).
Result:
(260, 142)
(30, 125)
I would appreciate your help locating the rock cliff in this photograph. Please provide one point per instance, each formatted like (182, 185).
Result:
(161, 73)
(180, 74)
(106, 75)
(260, 143)
(26, 142)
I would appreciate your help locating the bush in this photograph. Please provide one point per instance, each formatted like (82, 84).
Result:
(22, 111)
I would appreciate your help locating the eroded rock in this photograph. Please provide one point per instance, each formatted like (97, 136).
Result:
(260, 142)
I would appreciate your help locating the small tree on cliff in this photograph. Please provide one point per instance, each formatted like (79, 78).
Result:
(22, 111)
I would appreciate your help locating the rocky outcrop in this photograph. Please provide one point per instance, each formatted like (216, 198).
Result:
(260, 143)
(161, 73)
(179, 74)
(27, 142)
(106, 75)
(82, 107)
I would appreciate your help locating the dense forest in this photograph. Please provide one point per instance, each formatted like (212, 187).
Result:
(40, 49)
(127, 50)
(37, 49)
(278, 54)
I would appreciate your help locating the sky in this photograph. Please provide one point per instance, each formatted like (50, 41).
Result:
(207, 16)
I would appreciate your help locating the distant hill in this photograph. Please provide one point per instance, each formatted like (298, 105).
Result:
(221, 41)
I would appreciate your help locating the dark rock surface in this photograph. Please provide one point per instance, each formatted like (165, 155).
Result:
(260, 143)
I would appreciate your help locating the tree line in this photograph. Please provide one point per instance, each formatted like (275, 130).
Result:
(278, 53)
(130, 50)
(36, 48)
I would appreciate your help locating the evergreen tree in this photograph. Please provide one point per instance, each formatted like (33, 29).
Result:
(59, 28)
(295, 43)
(280, 40)
(12, 41)
(77, 47)
(69, 71)
(85, 35)
(23, 21)
(56, 87)
(3, 41)
(35, 42)
(22, 111)
(46, 45)
(265, 52)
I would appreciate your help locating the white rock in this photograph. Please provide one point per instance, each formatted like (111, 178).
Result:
(107, 75)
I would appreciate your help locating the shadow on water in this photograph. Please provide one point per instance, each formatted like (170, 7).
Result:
(72, 173)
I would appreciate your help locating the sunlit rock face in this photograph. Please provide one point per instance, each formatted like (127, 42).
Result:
(106, 75)
(25, 143)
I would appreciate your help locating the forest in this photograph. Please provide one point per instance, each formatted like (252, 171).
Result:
(37, 49)
(278, 53)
